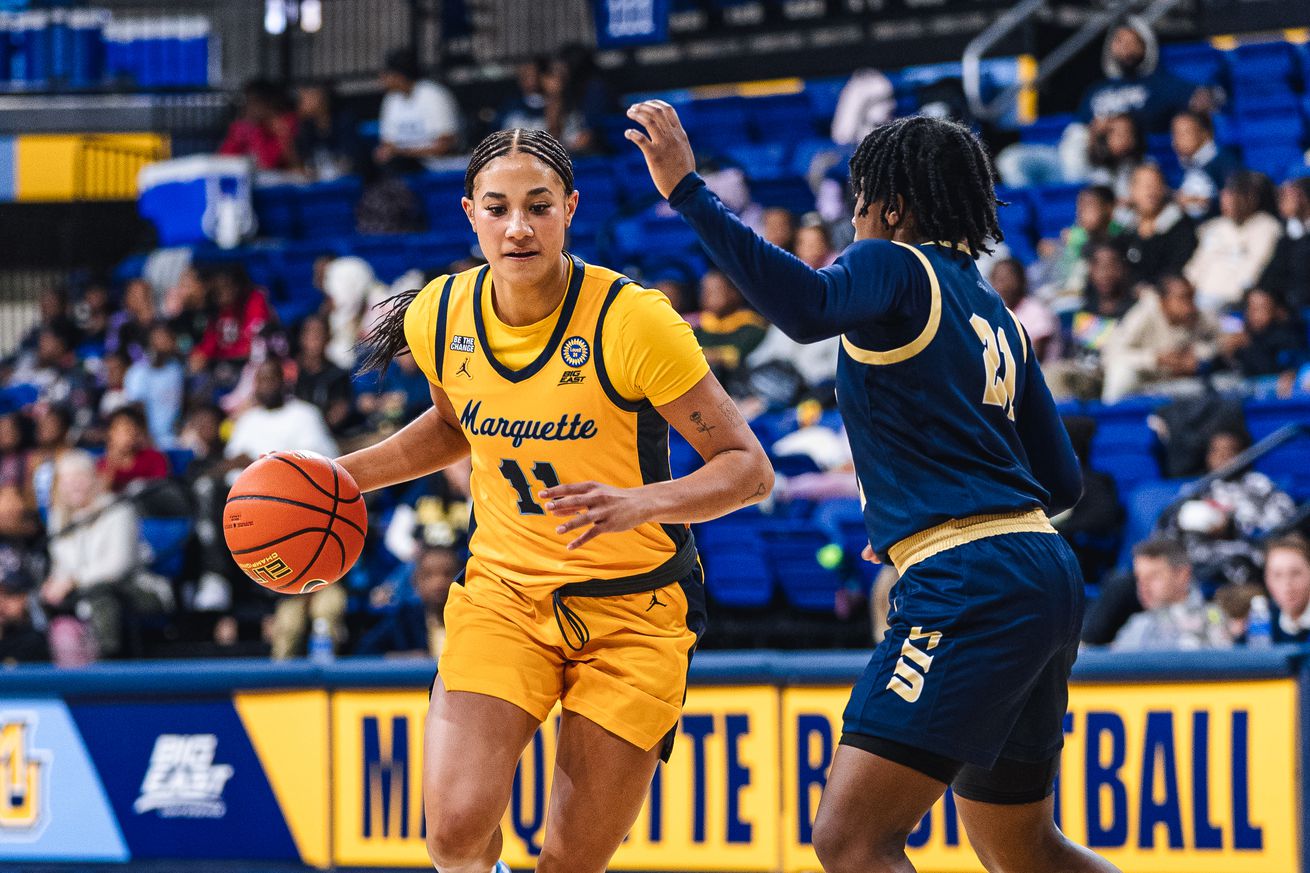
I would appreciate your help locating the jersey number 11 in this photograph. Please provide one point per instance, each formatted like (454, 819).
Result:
(544, 473)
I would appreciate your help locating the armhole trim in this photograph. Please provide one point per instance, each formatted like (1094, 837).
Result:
(601, 373)
(443, 306)
(919, 343)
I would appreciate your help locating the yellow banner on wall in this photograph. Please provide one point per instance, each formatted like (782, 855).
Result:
(1219, 792)
(377, 778)
(713, 807)
(1197, 777)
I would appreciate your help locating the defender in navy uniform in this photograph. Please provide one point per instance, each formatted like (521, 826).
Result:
(961, 458)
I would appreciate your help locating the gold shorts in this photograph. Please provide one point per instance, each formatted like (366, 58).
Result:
(630, 676)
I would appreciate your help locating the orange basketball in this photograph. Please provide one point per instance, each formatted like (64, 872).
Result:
(294, 522)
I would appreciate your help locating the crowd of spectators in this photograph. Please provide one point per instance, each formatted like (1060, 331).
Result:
(135, 404)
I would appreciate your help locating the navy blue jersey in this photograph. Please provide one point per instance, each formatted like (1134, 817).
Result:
(946, 409)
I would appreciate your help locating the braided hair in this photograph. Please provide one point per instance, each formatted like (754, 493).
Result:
(538, 143)
(940, 171)
(387, 338)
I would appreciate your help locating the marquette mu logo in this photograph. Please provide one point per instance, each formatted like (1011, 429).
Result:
(270, 568)
(24, 775)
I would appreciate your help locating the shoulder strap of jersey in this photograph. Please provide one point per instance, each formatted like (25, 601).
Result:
(439, 356)
(601, 373)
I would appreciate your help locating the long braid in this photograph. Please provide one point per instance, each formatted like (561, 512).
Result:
(941, 173)
(386, 340)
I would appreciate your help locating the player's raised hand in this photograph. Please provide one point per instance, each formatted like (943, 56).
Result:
(668, 153)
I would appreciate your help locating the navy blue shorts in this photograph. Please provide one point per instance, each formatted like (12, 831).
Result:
(975, 665)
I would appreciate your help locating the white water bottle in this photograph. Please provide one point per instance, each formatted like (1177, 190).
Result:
(320, 642)
(1259, 627)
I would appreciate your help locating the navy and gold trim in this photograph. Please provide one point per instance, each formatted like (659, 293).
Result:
(610, 391)
(577, 272)
(958, 531)
(919, 343)
(443, 307)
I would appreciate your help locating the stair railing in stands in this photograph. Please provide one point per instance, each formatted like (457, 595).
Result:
(1017, 16)
(1240, 464)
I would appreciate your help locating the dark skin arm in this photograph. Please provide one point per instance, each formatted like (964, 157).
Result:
(737, 473)
(427, 444)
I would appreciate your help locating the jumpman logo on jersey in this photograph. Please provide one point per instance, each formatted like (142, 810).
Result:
(655, 601)
(464, 370)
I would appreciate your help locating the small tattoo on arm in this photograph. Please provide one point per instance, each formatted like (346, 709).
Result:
(758, 492)
(702, 426)
(731, 414)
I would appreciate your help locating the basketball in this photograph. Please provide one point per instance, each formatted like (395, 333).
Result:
(294, 522)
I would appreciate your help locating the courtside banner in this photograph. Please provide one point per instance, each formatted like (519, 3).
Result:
(1171, 778)
(187, 779)
(713, 807)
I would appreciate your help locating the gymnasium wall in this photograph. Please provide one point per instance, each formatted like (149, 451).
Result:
(1183, 762)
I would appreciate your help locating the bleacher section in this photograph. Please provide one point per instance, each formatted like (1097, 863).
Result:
(756, 560)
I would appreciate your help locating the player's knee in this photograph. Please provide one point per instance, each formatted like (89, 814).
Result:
(457, 837)
(845, 849)
(1043, 852)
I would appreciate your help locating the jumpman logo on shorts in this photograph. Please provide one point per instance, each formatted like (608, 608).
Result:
(464, 369)
(655, 601)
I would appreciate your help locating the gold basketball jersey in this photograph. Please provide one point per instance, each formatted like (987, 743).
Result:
(550, 418)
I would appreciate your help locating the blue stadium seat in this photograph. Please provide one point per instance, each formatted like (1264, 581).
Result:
(736, 571)
(1047, 129)
(760, 160)
(666, 234)
(1277, 161)
(328, 208)
(440, 194)
(804, 152)
(792, 551)
(389, 256)
(1263, 417)
(683, 459)
(823, 95)
(1016, 220)
(1144, 505)
(277, 208)
(790, 192)
(1198, 63)
(1054, 207)
(718, 123)
(1225, 130)
(781, 117)
(433, 253)
(167, 539)
(1264, 62)
(597, 191)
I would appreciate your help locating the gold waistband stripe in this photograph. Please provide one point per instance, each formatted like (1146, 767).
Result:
(958, 531)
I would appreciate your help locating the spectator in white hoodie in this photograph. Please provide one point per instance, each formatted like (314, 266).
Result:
(1234, 248)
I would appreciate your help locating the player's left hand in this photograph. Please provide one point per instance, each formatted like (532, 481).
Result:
(664, 144)
(605, 508)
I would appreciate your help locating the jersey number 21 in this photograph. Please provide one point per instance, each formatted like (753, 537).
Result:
(996, 352)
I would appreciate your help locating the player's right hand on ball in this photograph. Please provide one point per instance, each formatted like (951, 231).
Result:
(664, 144)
